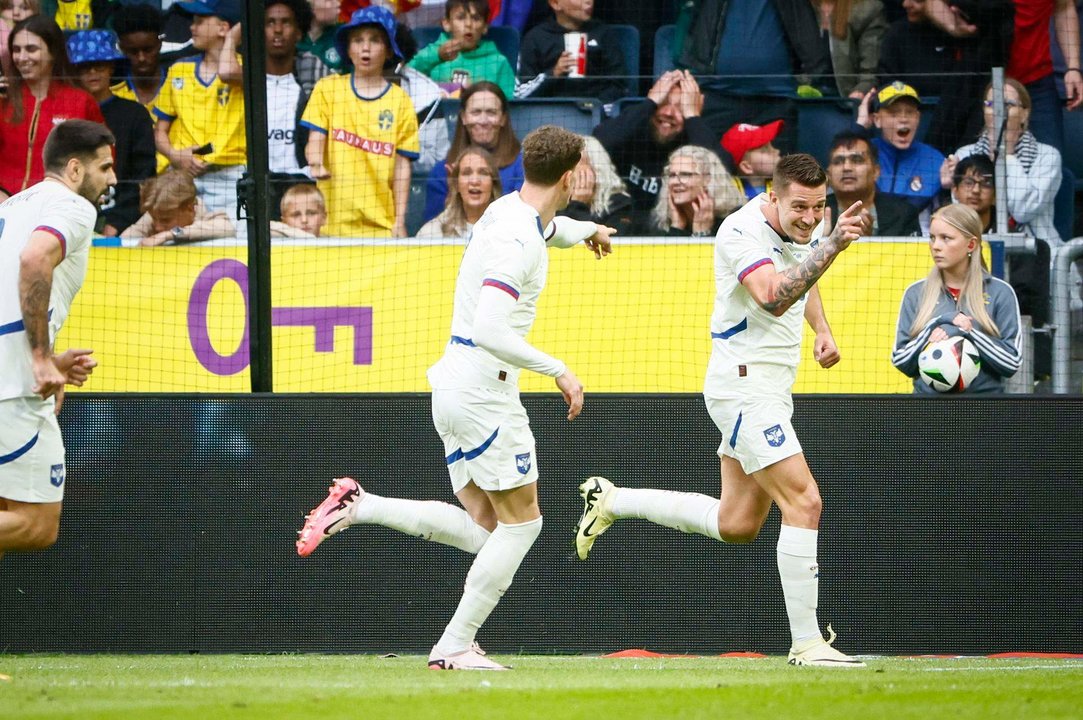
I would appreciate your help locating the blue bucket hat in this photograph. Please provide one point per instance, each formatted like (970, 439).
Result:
(93, 46)
(371, 15)
(228, 10)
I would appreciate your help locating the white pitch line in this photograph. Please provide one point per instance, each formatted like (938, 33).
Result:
(1072, 666)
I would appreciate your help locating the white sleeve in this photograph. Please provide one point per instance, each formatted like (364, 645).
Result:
(493, 334)
(71, 220)
(564, 232)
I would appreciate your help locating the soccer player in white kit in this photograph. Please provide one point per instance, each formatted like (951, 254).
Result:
(488, 445)
(45, 234)
(768, 257)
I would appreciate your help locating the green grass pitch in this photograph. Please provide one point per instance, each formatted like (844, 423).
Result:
(213, 687)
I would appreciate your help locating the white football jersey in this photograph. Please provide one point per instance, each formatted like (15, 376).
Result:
(742, 332)
(506, 249)
(52, 207)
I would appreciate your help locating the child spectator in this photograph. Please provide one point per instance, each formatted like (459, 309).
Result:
(754, 155)
(475, 182)
(460, 57)
(542, 56)
(364, 133)
(139, 37)
(317, 55)
(93, 54)
(75, 15)
(37, 99)
(173, 214)
(200, 116)
(304, 213)
(908, 169)
(697, 194)
(600, 195)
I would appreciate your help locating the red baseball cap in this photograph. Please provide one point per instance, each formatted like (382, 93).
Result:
(743, 137)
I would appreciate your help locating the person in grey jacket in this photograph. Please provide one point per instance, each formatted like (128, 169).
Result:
(1033, 168)
(959, 297)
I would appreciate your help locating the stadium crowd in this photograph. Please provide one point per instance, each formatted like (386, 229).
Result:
(396, 118)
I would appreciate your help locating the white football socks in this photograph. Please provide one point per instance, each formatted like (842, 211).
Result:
(426, 519)
(489, 578)
(799, 571)
(687, 512)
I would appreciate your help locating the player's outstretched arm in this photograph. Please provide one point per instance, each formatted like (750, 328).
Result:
(776, 292)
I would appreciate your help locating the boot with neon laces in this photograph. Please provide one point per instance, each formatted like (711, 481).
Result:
(330, 516)
(473, 658)
(597, 494)
(818, 652)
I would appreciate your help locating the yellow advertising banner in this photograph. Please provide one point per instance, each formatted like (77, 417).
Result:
(373, 318)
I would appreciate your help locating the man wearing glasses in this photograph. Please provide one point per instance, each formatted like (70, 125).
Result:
(852, 171)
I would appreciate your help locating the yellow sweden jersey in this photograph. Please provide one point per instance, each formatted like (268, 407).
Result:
(72, 15)
(363, 137)
(124, 89)
(202, 113)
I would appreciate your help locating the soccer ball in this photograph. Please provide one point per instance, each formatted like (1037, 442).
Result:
(949, 365)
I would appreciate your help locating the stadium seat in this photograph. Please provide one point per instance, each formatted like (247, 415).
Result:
(506, 39)
(415, 204)
(1064, 205)
(628, 37)
(663, 50)
(620, 104)
(579, 115)
(818, 121)
(1073, 146)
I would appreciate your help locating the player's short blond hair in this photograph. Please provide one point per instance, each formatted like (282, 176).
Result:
(549, 152)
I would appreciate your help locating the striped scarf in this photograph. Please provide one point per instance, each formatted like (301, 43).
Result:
(1026, 149)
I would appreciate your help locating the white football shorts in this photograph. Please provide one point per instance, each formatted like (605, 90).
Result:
(31, 452)
(487, 438)
(756, 430)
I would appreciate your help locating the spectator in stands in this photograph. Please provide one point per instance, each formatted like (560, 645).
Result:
(37, 98)
(364, 133)
(319, 57)
(460, 56)
(696, 196)
(200, 114)
(909, 169)
(285, 23)
(754, 155)
(1030, 57)
(75, 15)
(426, 95)
(600, 195)
(853, 168)
(1033, 168)
(744, 61)
(93, 54)
(974, 185)
(139, 31)
(959, 297)
(484, 121)
(919, 53)
(640, 139)
(11, 12)
(836, 44)
(475, 180)
(304, 213)
(173, 214)
(546, 64)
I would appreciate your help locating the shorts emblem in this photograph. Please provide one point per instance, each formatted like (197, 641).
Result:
(56, 475)
(775, 436)
(522, 463)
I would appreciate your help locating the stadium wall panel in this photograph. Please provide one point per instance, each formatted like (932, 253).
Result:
(951, 525)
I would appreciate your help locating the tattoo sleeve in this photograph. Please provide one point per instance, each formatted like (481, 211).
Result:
(35, 288)
(796, 281)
